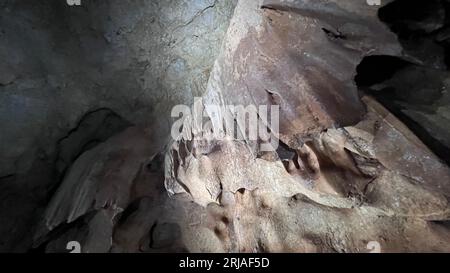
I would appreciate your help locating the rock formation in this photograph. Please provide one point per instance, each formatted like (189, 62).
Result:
(363, 126)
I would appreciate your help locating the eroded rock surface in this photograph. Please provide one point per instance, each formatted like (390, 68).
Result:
(357, 173)
(347, 171)
(59, 64)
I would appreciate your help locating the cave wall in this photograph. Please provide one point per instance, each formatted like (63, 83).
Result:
(60, 64)
(86, 94)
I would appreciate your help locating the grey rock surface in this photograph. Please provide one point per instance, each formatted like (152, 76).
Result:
(137, 59)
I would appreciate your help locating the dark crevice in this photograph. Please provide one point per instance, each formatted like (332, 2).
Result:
(444, 224)
(130, 210)
(152, 235)
(334, 34)
(156, 164)
(408, 18)
(94, 128)
(376, 69)
(7, 177)
(285, 152)
(414, 90)
(42, 244)
(420, 26)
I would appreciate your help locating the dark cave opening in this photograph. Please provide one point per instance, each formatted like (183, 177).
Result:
(410, 17)
(376, 69)
(413, 88)
(422, 28)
